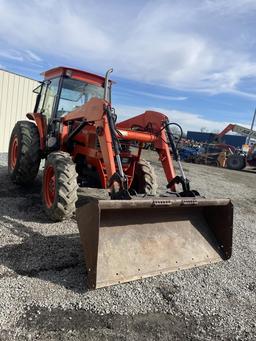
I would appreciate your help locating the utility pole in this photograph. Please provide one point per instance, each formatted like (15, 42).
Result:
(253, 120)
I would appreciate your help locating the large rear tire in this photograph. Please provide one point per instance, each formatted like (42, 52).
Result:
(144, 181)
(236, 162)
(24, 153)
(59, 190)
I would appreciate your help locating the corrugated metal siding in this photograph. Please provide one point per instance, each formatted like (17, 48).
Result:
(233, 140)
(16, 100)
(200, 136)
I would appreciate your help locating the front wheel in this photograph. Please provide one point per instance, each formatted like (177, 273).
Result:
(59, 190)
(144, 181)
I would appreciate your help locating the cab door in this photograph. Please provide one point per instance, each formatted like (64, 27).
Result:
(49, 98)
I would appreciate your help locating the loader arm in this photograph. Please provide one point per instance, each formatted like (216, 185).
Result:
(227, 129)
(94, 112)
(152, 130)
(236, 129)
(153, 124)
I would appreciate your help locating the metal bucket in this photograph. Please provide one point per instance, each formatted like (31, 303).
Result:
(124, 240)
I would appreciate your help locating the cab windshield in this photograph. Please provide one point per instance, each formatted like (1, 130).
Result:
(75, 93)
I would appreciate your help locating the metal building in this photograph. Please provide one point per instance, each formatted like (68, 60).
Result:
(16, 100)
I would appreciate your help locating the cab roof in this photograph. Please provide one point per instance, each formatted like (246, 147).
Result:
(74, 73)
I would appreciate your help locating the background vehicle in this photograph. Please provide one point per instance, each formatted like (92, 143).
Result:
(214, 154)
(188, 153)
(239, 160)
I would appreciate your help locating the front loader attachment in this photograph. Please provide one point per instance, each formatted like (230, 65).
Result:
(125, 240)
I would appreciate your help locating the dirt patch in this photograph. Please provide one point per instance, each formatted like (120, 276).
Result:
(57, 324)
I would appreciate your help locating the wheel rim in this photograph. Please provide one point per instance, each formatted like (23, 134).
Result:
(49, 186)
(14, 152)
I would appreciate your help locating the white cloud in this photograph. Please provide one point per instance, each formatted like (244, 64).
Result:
(20, 56)
(236, 7)
(243, 94)
(33, 56)
(155, 95)
(13, 55)
(187, 120)
(187, 44)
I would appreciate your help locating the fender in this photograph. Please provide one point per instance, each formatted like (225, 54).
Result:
(40, 121)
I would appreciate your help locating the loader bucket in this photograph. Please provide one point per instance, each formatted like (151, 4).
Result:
(125, 240)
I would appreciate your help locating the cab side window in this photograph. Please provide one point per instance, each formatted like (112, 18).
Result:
(42, 96)
(48, 97)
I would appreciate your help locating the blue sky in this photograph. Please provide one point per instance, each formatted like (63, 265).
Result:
(191, 59)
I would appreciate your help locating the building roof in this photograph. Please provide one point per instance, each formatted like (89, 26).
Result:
(18, 74)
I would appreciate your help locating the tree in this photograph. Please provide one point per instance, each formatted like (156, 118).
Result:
(175, 131)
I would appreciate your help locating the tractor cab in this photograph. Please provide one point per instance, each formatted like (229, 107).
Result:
(65, 89)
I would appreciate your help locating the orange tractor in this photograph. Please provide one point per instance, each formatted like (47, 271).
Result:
(134, 234)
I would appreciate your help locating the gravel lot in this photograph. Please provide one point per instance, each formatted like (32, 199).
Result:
(43, 293)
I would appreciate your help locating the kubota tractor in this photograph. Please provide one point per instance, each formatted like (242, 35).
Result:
(74, 129)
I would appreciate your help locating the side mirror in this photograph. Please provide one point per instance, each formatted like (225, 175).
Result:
(37, 90)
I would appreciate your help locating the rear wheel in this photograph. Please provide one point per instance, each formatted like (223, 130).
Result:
(59, 186)
(24, 153)
(144, 181)
(236, 162)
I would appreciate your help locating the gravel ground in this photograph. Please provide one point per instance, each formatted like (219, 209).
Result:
(43, 293)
